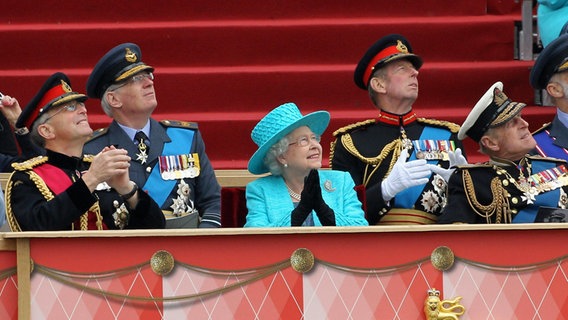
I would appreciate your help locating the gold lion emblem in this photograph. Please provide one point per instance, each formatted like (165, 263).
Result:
(436, 309)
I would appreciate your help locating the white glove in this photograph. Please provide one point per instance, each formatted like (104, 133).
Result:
(456, 159)
(405, 175)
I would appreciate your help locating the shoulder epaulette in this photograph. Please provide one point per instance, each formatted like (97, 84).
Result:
(351, 127)
(179, 124)
(98, 133)
(544, 127)
(454, 128)
(548, 159)
(29, 164)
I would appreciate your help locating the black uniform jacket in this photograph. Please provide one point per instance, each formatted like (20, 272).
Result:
(365, 150)
(31, 205)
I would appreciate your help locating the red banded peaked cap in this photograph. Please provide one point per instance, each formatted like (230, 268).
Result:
(387, 49)
(55, 91)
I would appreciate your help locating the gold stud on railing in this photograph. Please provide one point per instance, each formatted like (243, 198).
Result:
(162, 262)
(442, 258)
(302, 260)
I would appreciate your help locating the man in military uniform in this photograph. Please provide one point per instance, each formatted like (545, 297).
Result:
(64, 190)
(512, 187)
(402, 161)
(550, 73)
(170, 162)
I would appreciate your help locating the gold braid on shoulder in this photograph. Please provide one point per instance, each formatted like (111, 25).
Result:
(42, 187)
(48, 195)
(12, 222)
(497, 207)
(454, 128)
(394, 147)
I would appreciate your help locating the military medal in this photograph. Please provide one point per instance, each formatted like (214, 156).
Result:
(183, 204)
(406, 143)
(550, 179)
(142, 156)
(175, 167)
(120, 215)
(433, 149)
(530, 192)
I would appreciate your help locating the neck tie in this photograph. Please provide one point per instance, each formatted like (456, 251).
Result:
(142, 154)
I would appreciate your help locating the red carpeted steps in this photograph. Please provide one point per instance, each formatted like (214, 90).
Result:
(225, 66)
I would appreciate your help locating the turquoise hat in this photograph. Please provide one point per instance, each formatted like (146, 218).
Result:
(276, 125)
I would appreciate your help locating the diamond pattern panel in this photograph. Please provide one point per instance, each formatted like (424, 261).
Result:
(9, 298)
(277, 296)
(51, 299)
(334, 294)
(490, 294)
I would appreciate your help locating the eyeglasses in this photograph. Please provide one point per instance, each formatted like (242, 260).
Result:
(141, 76)
(69, 107)
(304, 141)
(137, 78)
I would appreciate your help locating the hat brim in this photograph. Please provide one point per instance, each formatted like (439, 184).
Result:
(132, 71)
(414, 59)
(73, 96)
(316, 121)
(485, 100)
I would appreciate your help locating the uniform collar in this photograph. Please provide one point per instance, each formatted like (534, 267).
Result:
(397, 119)
(63, 161)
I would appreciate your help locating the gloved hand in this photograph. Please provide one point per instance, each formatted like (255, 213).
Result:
(325, 214)
(299, 215)
(307, 200)
(323, 211)
(405, 175)
(456, 159)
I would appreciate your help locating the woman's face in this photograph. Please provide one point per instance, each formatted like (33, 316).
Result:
(304, 152)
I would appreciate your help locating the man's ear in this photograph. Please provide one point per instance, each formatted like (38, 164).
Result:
(46, 131)
(489, 143)
(113, 99)
(378, 84)
(555, 90)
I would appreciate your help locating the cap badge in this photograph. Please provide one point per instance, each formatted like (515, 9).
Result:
(500, 97)
(66, 87)
(401, 47)
(130, 56)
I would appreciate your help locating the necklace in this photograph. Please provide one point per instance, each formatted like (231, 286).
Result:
(293, 194)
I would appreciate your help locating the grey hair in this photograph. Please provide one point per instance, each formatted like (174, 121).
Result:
(490, 133)
(34, 132)
(379, 73)
(271, 158)
(104, 101)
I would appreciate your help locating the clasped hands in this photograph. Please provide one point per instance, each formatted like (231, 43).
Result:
(311, 199)
(110, 166)
(416, 172)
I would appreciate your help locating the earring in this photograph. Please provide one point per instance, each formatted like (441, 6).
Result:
(285, 165)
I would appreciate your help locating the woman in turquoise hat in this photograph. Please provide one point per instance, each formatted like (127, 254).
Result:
(297, 193)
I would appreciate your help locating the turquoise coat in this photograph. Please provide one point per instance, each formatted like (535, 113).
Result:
(270, 205)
